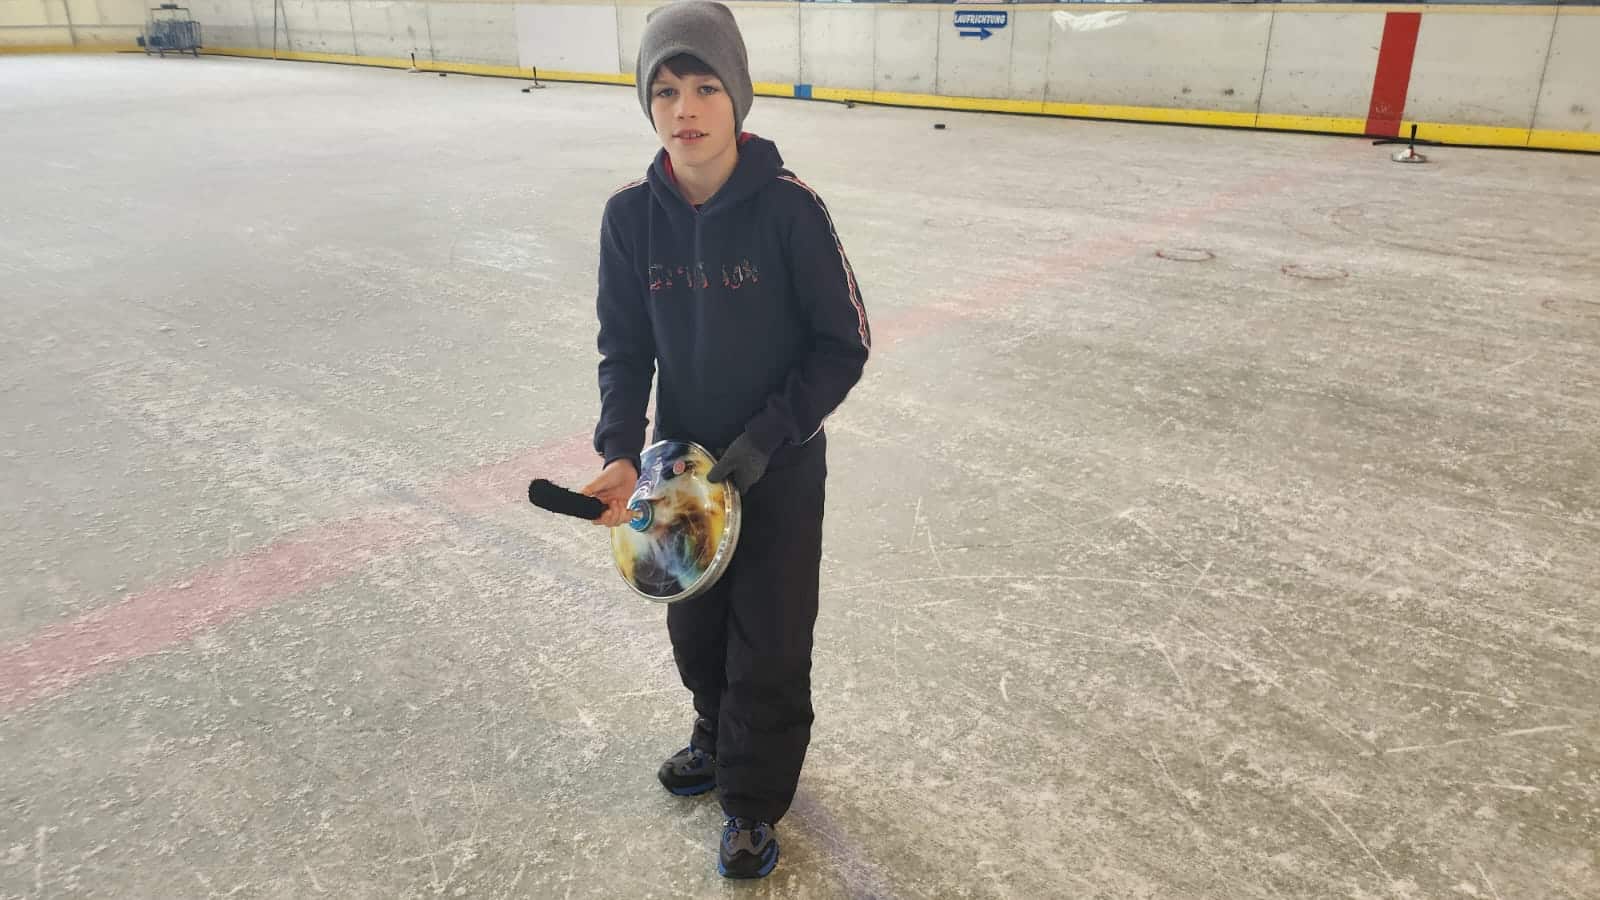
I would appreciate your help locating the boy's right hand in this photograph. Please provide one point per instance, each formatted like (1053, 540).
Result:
(613, 487)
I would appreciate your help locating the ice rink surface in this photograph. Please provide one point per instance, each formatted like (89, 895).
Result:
(1218, 517)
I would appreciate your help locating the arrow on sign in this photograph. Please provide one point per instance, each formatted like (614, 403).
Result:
(981, 24)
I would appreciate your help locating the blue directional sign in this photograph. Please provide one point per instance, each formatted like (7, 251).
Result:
(979, 24)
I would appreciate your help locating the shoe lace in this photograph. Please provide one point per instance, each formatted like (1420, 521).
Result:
(736, 826)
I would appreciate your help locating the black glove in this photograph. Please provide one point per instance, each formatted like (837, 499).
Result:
(744, 464)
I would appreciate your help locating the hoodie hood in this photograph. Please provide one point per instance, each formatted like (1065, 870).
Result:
(759, 163)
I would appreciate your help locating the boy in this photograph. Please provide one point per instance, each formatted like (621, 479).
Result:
(723, 269)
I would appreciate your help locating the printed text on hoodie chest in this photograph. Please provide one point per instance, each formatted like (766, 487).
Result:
(699, 277)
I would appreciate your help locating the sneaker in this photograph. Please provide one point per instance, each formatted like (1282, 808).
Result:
(688, 772)
(749, 849)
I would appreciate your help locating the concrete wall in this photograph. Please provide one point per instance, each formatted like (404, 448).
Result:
(1030, 53)
(34, 23)
(317, 26)
(905, 49)
(1479, 69)
(1184, 60)
(838, 41)
(772, 37)
(227, 23)
(571, 38)
(84, 24)
(1475, 73)
(1569, 99)
(1321, 64)
(976, 68)
(475, 33)
(391, 28)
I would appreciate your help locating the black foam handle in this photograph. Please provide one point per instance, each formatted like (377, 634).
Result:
(546, 495)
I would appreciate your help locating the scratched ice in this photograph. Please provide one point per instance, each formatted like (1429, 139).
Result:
(1146, 575)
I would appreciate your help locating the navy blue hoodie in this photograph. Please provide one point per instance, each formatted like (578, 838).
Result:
(747, 305)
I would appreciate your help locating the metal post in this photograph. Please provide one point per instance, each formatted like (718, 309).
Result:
(72, 32)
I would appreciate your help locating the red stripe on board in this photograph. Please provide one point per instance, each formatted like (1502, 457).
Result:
(1393, 78)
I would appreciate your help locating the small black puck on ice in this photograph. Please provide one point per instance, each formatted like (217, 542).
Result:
(938, 126)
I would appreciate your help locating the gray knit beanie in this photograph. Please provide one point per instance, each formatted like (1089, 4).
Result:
(705, 30)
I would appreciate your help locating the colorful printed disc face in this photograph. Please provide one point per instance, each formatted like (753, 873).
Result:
(684, 528)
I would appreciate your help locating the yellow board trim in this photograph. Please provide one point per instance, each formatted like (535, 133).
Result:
(51, 49)
(1467, 134)
(1565, 140)
(764, 88)
(1440, 132)
(1320, 124)
(840, 95)
(1151, 114)
(452, 68)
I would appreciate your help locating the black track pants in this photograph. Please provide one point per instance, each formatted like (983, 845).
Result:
(744, 647)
